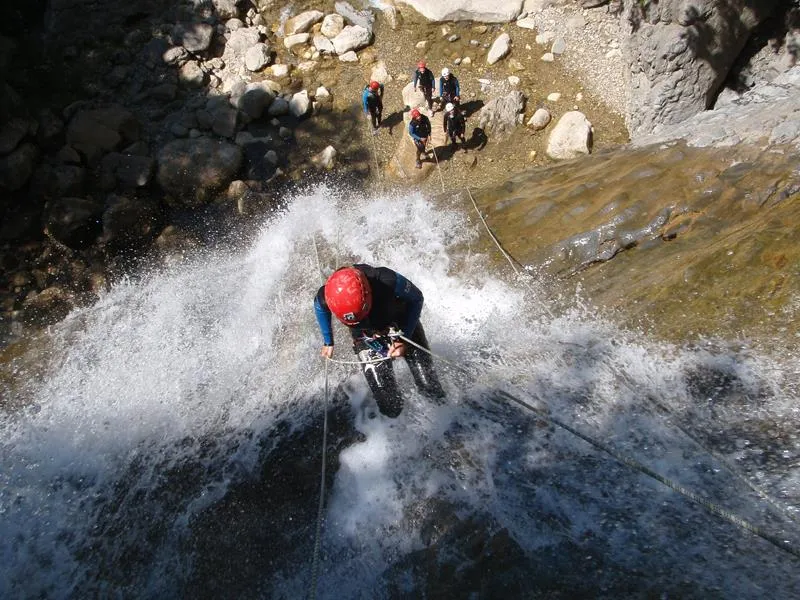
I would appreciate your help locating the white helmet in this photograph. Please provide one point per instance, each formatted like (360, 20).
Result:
(448, 107)
(445, 72)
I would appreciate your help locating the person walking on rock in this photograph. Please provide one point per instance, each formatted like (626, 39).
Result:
(372, 102)
(424, 81)
(449, 90)
(419, 128)
(379, 305)
(454, 126)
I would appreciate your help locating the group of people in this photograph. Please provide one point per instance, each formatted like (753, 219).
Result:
(419, 128)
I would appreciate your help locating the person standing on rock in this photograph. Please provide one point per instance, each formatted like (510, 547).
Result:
(419, 128)
(372, 101)
(424, 81)
(449, 90)
(454, 126)
(380, 307)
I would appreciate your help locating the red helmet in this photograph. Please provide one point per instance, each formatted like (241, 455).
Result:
(415, 113)
(374, 86)
(348, 295)
(422, 64)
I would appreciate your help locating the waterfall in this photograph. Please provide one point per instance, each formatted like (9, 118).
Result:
(165, 441)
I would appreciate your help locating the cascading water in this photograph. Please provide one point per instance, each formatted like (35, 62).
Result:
(167, 442)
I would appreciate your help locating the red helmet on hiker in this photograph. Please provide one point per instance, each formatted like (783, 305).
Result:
(422, 64)
(348, 295)
(415, 113)
(374, 86)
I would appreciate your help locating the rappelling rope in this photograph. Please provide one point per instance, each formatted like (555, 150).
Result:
(672, 418)
(438, 168)
(761, 493)
(507, 256)
(374, 150)
(321, 507)
(712, 507)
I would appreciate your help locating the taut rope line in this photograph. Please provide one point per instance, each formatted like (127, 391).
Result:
(712, 507)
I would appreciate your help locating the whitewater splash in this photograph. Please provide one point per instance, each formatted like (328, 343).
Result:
(170, 447)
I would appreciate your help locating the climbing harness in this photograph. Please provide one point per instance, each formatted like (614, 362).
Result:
(710, 506)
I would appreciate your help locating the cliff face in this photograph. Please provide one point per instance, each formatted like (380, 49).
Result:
(680, 53)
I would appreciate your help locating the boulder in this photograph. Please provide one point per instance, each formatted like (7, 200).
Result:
(129, 221)
(256, 97)
(12, 134)
(485, 11)
(195, 37)
(332, 25)
(503, 114)
(300, 104)
(571, 137)
(540, 119)
(500, 49)
(290, 41)
(362, 18)
(192, 170)
(74, 222)
(352, 37)
(302, 22)
(326, 159)
(94, 132)
(17, 167)
(128, 171)
(257, 57)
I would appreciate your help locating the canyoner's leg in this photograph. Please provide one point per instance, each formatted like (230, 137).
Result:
(381, 380)
(421, 365)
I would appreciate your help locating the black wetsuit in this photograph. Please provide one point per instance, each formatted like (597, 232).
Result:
(426, 81)
(455, 125)
(396, 302)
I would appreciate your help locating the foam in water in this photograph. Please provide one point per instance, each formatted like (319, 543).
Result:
(189, 369)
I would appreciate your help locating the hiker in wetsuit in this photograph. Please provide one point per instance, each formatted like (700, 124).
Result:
(449, 90)
(372, 102)
(370, 301)
(424, 81)
(454, 126)
(419, 128)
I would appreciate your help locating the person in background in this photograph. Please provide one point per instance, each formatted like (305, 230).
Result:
(454, 126)
(372, 102)
(449, 89)
(424, 82)
(378, 305)
(419, 128)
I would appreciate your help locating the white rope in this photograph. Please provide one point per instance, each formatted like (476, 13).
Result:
(321, 506)
(510, 260)
(712, 507)
(438, 168)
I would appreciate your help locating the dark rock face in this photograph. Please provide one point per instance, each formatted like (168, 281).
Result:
(191, 170)
(681, 52)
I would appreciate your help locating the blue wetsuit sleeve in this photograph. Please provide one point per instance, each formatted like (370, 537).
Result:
(324, 320)
(364, 100)
(405, 290)
(412, 131)
(416, 78)
(458, 89)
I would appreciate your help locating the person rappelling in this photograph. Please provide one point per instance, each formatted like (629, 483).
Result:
(419, 128)
(381, 308)
(372, 102)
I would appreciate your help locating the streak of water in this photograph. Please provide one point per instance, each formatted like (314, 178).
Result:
(170, 447)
